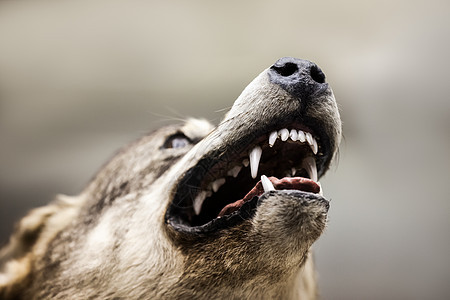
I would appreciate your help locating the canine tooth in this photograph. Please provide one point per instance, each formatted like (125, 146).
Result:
(267, 185)
(255, 156)
(301, 136)
(309, 138)
(198, 202)
(314, 146)
(284, 133)
(309, 164)
(245, 162)
(293, 171)
(293, 134)
(273, 138)
(234, 171)
(217, 184)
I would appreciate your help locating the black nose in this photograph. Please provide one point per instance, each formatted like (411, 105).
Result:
(301, 78)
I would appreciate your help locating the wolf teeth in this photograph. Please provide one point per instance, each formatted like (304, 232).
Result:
(272, 138)
(255, 156)
(314, 146)
(295, 135)
(267, 185)
(215, 185)
(301, 136)
(309, 164)
(308, 137)
(234, 171)
(198, 202)
(312, 142)
(284, 134)
(245, 162)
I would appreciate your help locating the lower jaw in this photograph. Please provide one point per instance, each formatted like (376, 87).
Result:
(211, 212)
(271, 184)
(244, 213)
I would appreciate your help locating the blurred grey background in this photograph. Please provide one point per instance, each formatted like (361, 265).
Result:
(79, 79)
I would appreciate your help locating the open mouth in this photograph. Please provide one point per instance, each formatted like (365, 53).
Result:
(223, 190)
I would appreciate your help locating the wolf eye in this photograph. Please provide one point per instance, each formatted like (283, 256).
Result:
(178, 140)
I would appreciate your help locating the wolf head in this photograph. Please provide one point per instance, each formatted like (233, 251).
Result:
(193, 211)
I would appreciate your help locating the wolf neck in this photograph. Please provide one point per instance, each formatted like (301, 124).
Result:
(301, 286)
(306, 281)
(297, 285)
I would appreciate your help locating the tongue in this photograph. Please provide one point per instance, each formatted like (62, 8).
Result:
(286, 183)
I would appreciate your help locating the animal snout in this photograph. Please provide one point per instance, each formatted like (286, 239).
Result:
(302, 78)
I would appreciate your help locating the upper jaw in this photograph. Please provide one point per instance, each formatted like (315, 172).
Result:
(256, 134)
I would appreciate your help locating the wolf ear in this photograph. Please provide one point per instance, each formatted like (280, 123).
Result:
(30, 240)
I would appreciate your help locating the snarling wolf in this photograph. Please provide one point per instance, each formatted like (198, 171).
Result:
(192, 211)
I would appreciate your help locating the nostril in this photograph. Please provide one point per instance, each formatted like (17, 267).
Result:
(301, 78)
(317, 74)
(286, 70)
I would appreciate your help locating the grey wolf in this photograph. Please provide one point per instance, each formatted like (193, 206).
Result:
(192, 211)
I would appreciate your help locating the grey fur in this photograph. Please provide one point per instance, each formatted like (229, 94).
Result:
(112, 241)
